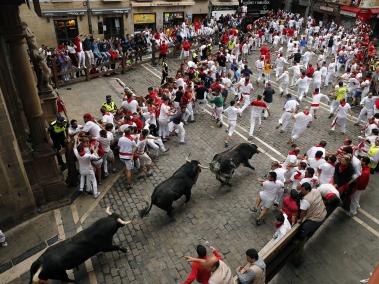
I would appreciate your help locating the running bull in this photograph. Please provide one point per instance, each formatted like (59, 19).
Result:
(72, 252)
(179, 184)
(224, 164)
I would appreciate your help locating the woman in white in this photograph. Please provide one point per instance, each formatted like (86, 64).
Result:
(267, 196)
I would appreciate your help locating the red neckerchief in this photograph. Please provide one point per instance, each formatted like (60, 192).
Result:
(141, 138)
(332, 164)
(292, 152)
(318, 145)
(106, 113)
(246, 82)
(129, 137)
(129, 100)
(343, 104)
(306, 112)
(82, 153)
(278, 225)
(316, 93)
(317, 158)
(298, 175)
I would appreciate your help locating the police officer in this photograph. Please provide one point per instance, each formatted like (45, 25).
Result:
(58, 133)
(110, 105)
(164, 71)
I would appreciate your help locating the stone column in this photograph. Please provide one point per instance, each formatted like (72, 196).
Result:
(45, 178)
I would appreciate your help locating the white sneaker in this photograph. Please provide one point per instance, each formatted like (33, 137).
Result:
(96, 195)
(4, 244)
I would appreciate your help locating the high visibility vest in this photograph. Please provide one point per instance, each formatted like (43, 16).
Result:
(371, 154)
(194, 55)
(58, 129)
(341, 93)
(109, 107)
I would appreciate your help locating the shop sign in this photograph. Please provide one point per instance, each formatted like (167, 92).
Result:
(347, 13)
(144, 18)
(326, 8)
(55, 13)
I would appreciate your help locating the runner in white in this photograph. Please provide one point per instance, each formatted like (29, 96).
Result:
(232, 114)
(289, 109)
(341, 116)
(302, 121)
(316, 99)
(257, 107)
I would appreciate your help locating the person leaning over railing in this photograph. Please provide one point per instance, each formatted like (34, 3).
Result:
(312, 210)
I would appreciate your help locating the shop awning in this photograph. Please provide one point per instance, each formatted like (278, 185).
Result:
(350, 9)
(224, 3)
(110, 11)
(162, 4)
(57, 13)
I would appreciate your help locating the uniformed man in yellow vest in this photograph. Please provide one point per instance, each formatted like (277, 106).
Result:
(58, 133)
(340, 94)
(373, 154)
(110, 105)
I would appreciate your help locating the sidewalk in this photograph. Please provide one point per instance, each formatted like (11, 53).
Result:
(27, 241)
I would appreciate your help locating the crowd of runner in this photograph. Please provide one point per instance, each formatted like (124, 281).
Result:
(309, 183)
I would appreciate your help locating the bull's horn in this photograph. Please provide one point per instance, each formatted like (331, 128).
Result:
(122, 222)
(203, 167)
(36, 275)
(187, 158)
(108, 210)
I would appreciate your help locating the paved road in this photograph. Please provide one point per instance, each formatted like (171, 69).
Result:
(345, 250)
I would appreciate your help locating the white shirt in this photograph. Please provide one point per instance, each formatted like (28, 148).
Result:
(280, 174)
(327, 188)
(256, 110)
(282, 230)
(127, 147)
(368, 103)
(108, 118)
(314, 163)
(342, 111)
(163, 113)
(232, 113)
(303, 82)
(130, 106)
(259, 64)
(284, 78)
(316, 99)
(317, 76)
(85, 165)
(106, 142)
(291, 106)
(323, 70)
(245, 89)
(92, 128)
(326, 172)
(302, 120)
(270, 188)
(226, 82)
(313, 150)
(280, 61)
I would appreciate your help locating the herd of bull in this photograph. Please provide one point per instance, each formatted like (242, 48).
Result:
(72, 252)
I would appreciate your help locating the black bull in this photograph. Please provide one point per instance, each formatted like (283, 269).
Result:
(179, 184)
(225, 163)
(72, 252)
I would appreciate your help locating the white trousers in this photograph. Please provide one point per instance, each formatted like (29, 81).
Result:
(278, 71)
(218, 113)
(329, 78)
(81, 59)
(259, 75)
(89, 179)
(301, 92)
(285, 120)
(283, 88)
(232, 127)
(297, 131)
(253, 120)
(333, 106)
(341, 122)
(246, 101)
(163, 128)
(90, 57)
(189, 112)
(156, 144)
(354, 204)
(365, 113)
(179, 128)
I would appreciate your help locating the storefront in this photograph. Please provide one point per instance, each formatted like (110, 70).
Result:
(198, 17)
(110, 21)
(325, 12)
(170, 19)
(65, 23)
(142, 21)
(223, 8)
(66, 29)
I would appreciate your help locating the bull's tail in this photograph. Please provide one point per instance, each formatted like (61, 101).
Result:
(144, 212)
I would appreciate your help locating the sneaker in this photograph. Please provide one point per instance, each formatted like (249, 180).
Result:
(149, 174)
(352, 214)
(254, 209)
(182, 143)
(106, 174)
(330, 116)
(277, 127)
(250, 138)
(96, 195)
(258, 222)
(4, 244)
(276, 205)
(226, 145)
(129, 186)
(165, 151)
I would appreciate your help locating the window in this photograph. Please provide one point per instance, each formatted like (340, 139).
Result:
(66, 30)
